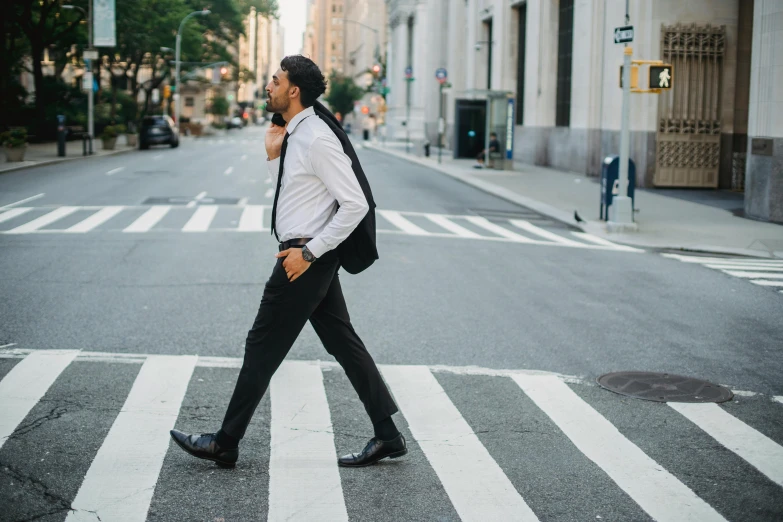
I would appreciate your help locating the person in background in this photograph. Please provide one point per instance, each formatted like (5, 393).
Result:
(494, 146)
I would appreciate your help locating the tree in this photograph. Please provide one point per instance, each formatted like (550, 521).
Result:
(343, 92)
(219, 106)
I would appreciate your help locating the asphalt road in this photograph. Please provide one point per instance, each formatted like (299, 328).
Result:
(166, 251)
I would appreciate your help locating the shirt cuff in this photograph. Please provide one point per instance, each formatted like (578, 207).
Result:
(317, 247)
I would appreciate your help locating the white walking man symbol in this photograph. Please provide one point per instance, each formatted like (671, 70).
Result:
(664, 78)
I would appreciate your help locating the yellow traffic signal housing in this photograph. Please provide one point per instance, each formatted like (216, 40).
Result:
(634, 76)
(661, 76)
(166, 91)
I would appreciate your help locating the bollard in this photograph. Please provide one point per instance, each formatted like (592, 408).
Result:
(61, 135)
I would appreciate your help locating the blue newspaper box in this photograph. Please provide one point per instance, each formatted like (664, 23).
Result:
(610, 183)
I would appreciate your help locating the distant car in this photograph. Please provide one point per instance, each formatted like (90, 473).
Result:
(158, 130)
(235, 123)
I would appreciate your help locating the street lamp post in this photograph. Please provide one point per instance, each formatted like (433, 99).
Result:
(178, 104)
(88, 67)
(377, 37)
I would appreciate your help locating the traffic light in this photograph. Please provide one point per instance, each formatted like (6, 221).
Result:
(167, 91)
(376, 69)
(224, 70)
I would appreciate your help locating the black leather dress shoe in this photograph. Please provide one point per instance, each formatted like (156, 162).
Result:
(206, 447)
(375, 450)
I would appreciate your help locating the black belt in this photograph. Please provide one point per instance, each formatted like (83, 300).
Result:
(298, 242)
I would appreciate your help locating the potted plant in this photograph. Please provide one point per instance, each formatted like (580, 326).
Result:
(131, 136)
(14, 143)
(109, 137)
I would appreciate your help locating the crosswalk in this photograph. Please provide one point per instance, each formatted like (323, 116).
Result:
(762, 272)
(126, 475)
(257, 218)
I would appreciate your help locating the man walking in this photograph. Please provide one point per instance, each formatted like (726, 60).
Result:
(318, 203)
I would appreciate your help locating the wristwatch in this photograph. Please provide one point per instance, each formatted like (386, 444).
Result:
(307, 255)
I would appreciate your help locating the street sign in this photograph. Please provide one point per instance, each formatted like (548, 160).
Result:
(409, 72)
(623, 34)
(661, 76)
(103, 20)
(155, 95)
(510, 129)
(442, 75)
(87, 81)
(90, 54)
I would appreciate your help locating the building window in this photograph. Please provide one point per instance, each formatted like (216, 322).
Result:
(522, 31)
(565, 44)
(334, 8)
(189, 101)
(488, 32)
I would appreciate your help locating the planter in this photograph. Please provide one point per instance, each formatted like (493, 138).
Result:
(109, 143)
(15, 153)
(132, 139)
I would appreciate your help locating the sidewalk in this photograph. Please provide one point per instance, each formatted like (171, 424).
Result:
(38, 154)
(665, 222)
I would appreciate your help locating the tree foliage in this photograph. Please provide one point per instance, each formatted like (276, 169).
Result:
(343, 92)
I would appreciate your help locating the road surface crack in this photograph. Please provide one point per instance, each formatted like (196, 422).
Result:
(31, 484)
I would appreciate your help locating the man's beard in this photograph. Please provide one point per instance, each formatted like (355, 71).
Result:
(276, 105)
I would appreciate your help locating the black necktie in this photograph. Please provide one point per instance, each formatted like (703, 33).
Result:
(279, 181)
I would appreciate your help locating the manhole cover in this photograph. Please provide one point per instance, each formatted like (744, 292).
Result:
(664, 387)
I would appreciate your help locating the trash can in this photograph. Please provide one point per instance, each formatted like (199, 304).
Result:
(610, 183)
(427, 149)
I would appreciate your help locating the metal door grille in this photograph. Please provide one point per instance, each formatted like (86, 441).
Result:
(688, 139)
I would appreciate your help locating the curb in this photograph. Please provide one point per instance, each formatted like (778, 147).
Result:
(46, 163)
(591, 227)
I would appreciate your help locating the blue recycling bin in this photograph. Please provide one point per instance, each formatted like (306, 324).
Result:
(610, 173)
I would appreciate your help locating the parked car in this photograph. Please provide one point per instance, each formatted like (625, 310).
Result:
(158, 130)
(234, 123)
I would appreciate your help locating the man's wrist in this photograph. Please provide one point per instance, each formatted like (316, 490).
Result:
(307, 255)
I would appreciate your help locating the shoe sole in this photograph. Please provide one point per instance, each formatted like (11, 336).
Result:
(395, 455)
(220, 463)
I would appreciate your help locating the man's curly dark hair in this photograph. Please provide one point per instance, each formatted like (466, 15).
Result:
(305, 74)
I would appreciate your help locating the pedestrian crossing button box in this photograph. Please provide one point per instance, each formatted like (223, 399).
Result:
(610, 182)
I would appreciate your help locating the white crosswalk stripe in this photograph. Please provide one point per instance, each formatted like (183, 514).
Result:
(761, 272)
(196, 217)
(304, 480)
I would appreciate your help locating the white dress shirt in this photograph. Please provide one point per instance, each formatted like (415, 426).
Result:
(317, 178)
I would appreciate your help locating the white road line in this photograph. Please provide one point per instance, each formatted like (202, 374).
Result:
(763, 282)
(656, 490)
(97, 219)
(601, 241)
(396, 219)
(22, 201)
(719, 260)
(756, 448)
(765, 268)
(7, 345)
(115, 171)
(252, 219)
(269, 193)
(243, 158)
(195, 200)
(449, 225)
(45, 220)
(229, 171)
(530, 227)
(14, 212)
(753, 275)
(157, 157)
(149, 219)
(26, 384)
(201, 219)
(475, 484)
(121, 480)
(778, 398)
(497, 229)
(268, 181)
(304, 482)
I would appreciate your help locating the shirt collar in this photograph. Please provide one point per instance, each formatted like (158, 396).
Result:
(296, 120)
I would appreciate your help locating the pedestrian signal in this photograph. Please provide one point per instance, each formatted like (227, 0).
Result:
(661, 76)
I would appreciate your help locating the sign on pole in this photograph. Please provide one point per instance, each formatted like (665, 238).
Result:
(87, 81)
(408, 73)
(442, 75)
(510, 129)
(661, 76)
(104, 28)
(623, 34)
(90, 54)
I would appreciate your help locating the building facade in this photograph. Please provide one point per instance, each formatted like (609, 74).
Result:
(557, 62)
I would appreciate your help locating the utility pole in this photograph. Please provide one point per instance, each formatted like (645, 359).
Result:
(178, 99)
(621, 211)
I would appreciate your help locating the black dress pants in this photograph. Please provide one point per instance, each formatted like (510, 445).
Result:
(285, 308)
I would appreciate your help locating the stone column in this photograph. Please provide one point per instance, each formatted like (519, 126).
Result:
(764, 168)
